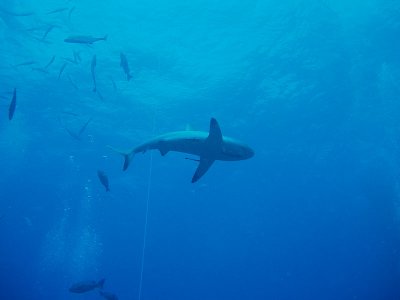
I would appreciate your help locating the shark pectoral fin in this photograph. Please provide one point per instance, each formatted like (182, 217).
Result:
(203, 167)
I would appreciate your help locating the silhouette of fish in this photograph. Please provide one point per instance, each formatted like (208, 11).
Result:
(13, 104)
(86, 286)
(108, 296)
(103, 179)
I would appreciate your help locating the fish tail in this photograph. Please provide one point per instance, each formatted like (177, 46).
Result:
(127, 157)
(100, 284)
(129, 77)
(105, 37)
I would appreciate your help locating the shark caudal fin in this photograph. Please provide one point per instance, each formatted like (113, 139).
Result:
(127, 157)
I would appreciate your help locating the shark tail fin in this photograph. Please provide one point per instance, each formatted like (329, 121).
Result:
(127, 157)
(101, 282)
(105, 37)
(129, 77)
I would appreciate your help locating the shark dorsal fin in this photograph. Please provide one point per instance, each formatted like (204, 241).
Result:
(215, 135)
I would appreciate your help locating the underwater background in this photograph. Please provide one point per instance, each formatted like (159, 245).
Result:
(312, 86)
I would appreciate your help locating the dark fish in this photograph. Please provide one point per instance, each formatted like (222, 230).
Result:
(86, 286)
(50, 62)
(125, 66)
(103, 179)
(84, 39)
(93, 67)
(83, 128)
(25, 63)
(48, 30)
(78, 135)
(108, 296)
(70, 13)
(42, 70)
(11, 108)
(58, 10)
(62, 70)
(73, 83)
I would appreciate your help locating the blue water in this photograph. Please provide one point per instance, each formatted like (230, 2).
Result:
(312, 86)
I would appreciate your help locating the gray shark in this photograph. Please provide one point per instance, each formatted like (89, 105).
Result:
(209, 146)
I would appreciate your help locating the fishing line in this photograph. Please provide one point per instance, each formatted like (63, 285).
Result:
(147, 212)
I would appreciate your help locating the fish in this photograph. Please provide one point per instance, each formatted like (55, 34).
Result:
(48, 30)
(83, 128)
(86, 286)
(50, 62)
(108, 296)
(103, 179)
(13, 104)
(93, 67)
(62, 70)
(70, 13)
(78, 135)
(41, 70)
(208, 146)
(84, 39)
(73, 83)
(125, 66)
(57, 10)
(26, 63)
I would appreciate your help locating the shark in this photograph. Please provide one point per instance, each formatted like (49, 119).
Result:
(208, 146)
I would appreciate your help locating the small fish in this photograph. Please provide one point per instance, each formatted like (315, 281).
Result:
(103, 179)
(83, 128)
(84, 39)
(125, 66)
(73, 83)
(25, 63)
(93, 67)
(86, 286)
(48, 30)
(70, 13)
(57, 10)
(62, 70)
(50, 62)
(78, 135)
(108, 296)
(13, 104)
(18, 14)
(41, 70)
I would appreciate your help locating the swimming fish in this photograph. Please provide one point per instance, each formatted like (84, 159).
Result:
(62, 70)
(208, 146)
(125, 66)
(86, 286)
(13, 104)
(48, 30)
(93, 67)
(103, 179)
(84, 39)
(50, 62)
(78, 135)
(108, 296)
(58, 10)
(25, 63)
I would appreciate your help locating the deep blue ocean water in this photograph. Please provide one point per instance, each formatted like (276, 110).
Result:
(312, 86)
